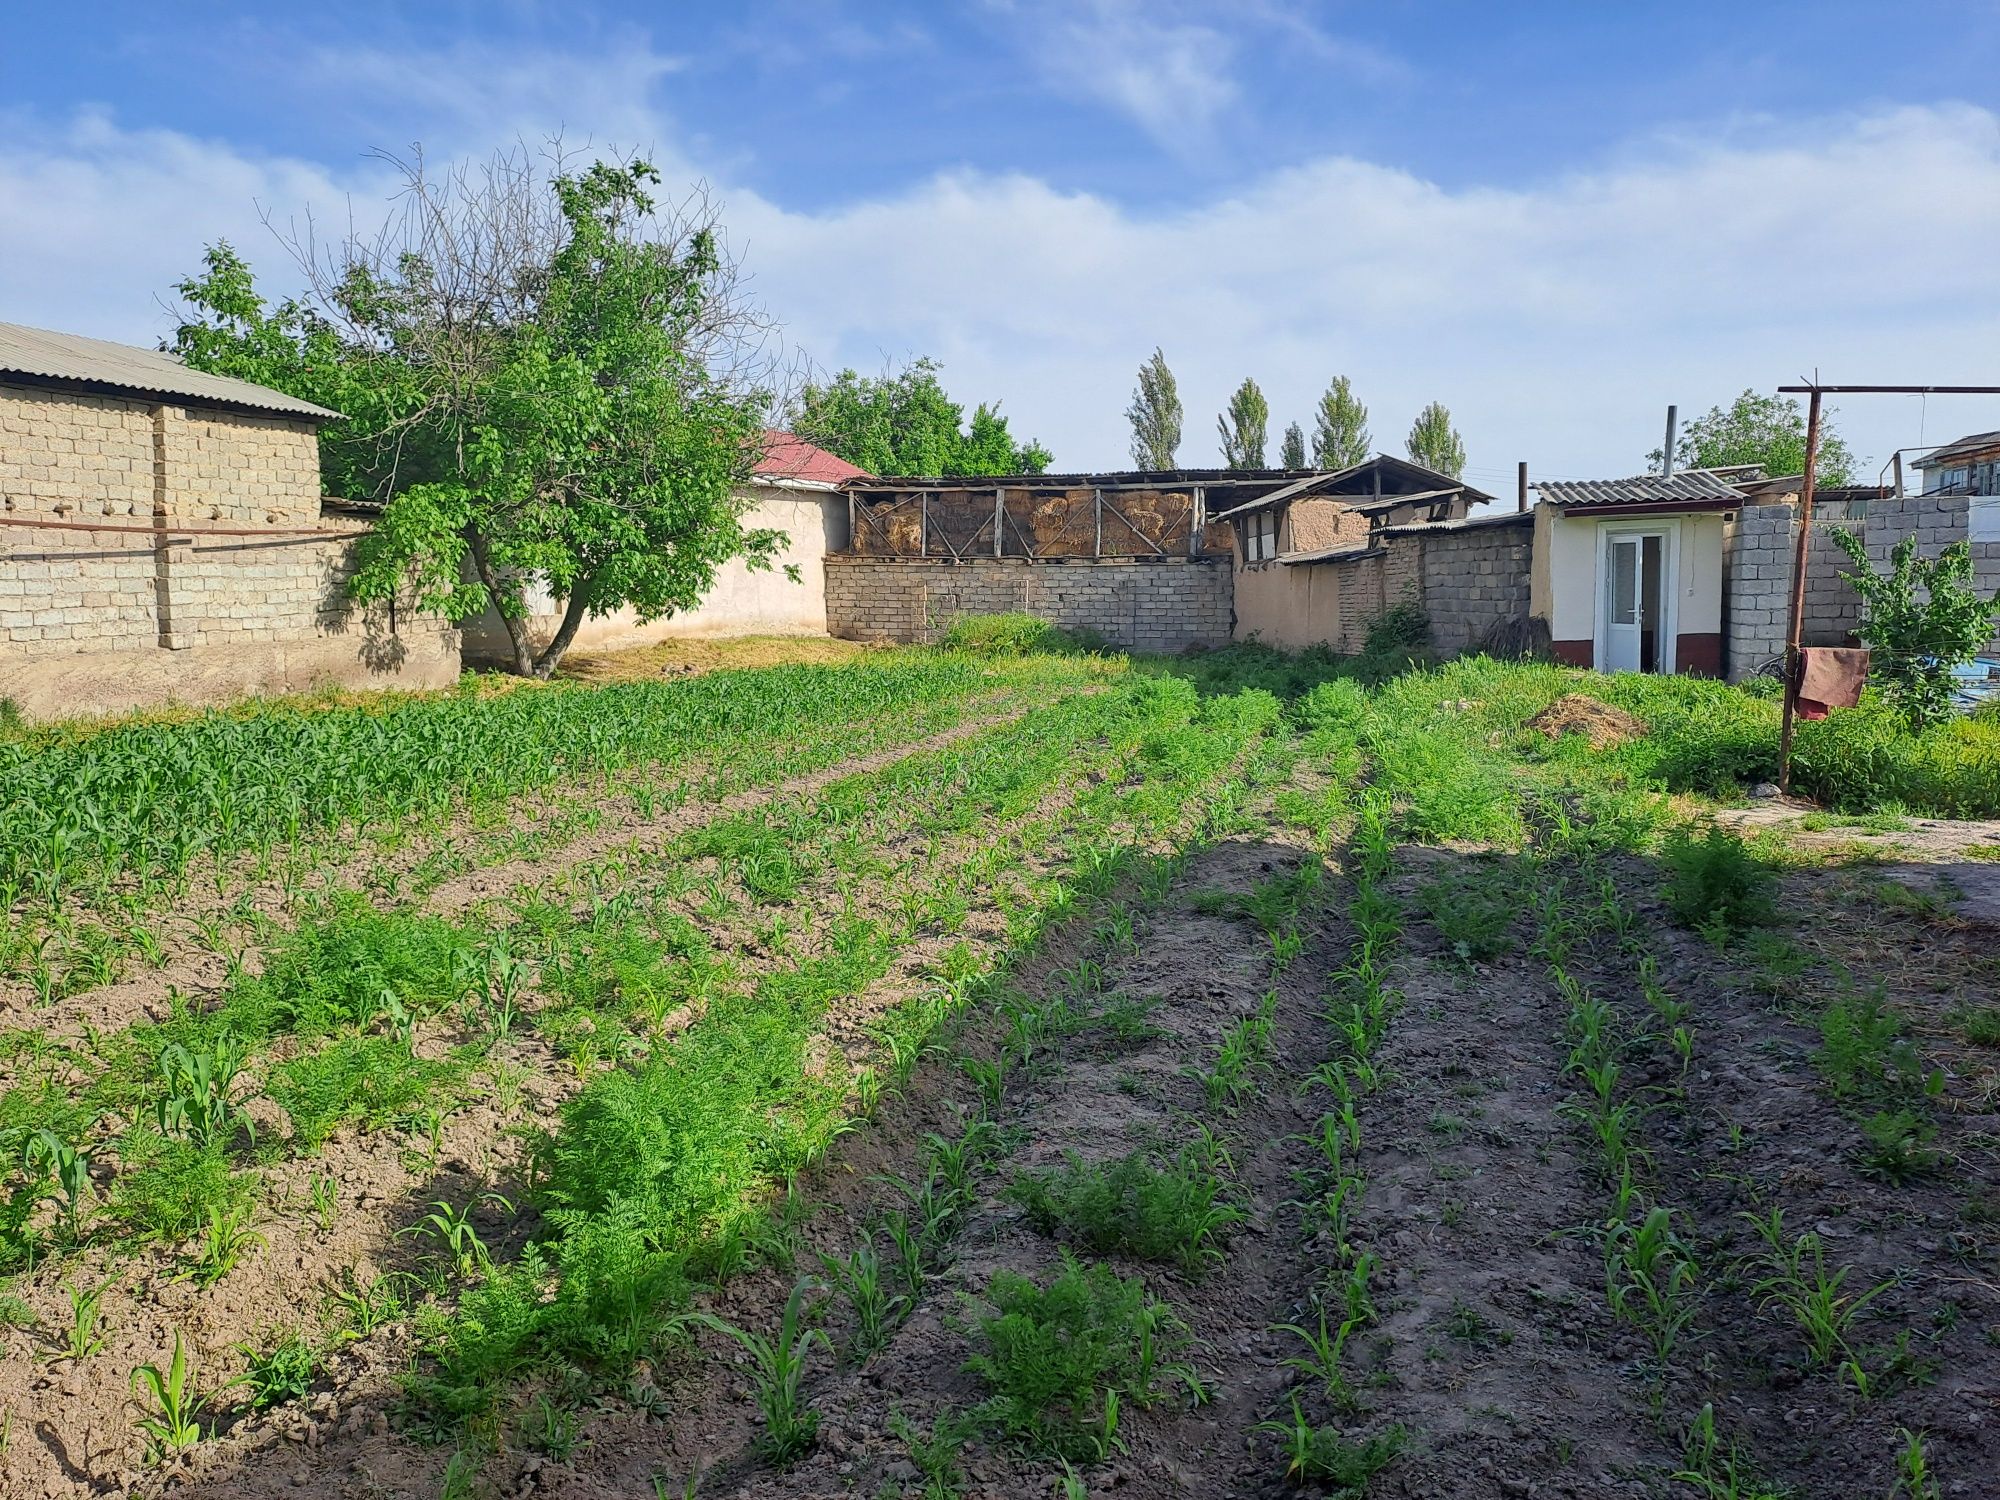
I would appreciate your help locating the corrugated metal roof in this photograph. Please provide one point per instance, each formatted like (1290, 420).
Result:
(45, 355)
(1689, 485)
(1952, 452)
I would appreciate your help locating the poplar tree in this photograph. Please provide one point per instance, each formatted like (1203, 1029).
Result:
(1293, 454)
(1340, 435)
(1155, 415)
(1435, 443)
(1243, 427)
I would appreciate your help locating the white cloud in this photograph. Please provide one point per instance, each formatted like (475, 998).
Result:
(1172, 77)
(1556, 319)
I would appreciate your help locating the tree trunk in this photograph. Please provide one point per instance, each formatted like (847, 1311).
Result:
(516, 628)
(572, 620)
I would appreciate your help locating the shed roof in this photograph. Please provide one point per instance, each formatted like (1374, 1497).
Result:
(1119, 479)
(71, 359)
(1688, 487)
(1952, 452)
(1433, 485)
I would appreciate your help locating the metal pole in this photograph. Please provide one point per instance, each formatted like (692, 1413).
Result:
(1798, 609)
(1521, 487)
(1667, 453)
(1897, 459)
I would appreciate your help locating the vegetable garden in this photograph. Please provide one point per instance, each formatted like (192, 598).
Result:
(995, 1075)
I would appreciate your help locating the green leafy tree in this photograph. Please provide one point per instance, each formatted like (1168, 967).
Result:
(1435, 443)
(1769, 431)
(904, 423)
(1340, 429)
(1155, 415)
(1292, 453)
(527, 366)
(1244, 428)
(1919, 619)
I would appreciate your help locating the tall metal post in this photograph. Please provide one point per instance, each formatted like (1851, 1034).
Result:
(1521, 486)
(1667, 453)
(1796, 619)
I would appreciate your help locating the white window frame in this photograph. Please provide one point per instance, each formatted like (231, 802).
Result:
(1260, 535)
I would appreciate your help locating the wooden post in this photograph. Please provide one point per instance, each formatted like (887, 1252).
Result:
(1197, 520)
(999, 517)
(853, 541)
(1796, 619)
(1097, 509)
(1521, 487)
(924, 524)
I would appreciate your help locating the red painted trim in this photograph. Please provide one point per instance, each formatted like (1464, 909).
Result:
(1574, 653)
(1699, 655)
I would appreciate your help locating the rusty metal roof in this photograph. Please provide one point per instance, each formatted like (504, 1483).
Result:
(1689, 486)
(71, 359)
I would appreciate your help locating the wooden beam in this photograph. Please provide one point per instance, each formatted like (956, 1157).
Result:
(1097, 510)
(1197, 508)
(999, 512)
(1104, 505)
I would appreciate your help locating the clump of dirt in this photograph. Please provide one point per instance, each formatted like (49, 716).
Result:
(1600, 723)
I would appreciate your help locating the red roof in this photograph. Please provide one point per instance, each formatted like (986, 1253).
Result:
(787, 457)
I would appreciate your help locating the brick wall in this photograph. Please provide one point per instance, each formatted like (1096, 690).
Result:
(1936, 521)
(1758, 548)
(1474, 580)
(1164, 605)
(101, 620)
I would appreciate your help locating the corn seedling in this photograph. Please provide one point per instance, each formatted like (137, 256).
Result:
(1795, 1278)
(876, 1309)
(778, 1366)
(171, 1424)
(1650, 1279)
(86, 1334)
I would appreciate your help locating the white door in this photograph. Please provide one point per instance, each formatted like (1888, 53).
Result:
(1621, 603)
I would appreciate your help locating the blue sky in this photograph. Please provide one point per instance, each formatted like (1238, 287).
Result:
(1554, 218)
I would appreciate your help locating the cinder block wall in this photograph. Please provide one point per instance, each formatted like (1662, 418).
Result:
(1167, 604)
(139, 608)
(1757, 552)
(1475, 581)
(1936, 521)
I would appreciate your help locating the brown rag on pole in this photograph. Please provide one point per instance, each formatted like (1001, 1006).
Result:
(1830, 677)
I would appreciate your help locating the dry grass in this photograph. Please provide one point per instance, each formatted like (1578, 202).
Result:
(688, 658)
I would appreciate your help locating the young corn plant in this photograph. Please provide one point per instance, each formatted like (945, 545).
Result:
(1651, 1280)
(172, 1422)
(86, 1333)
(1795, 1278)
(876, 1309)
(778, 1366)
(227, 1239)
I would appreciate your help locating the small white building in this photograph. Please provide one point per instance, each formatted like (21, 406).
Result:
(1628, 573)
(795, 488)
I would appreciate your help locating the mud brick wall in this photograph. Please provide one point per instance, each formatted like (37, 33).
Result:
(1474, 581)
(1159, 605)
(111, 595)
(1936, 521)
(1758, 548)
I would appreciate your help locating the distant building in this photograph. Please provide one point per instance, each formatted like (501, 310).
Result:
(794, 488)
(163, 538)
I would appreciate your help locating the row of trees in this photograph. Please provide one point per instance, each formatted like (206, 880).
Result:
(1340, 436)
